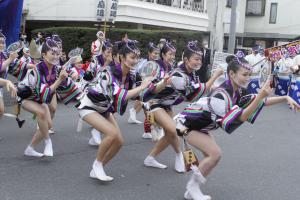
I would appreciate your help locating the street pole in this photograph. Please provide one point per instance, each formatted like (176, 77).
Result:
(232, 32)
(105, 17)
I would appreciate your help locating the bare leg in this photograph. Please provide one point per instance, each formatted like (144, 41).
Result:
(43, 119)
(118, 143)
(1, 106)
(207, 145)
(105, 126)
(44, 122)
(138, 106)
(105, 151)
(163, 119)
(53, 106)
(212, 154)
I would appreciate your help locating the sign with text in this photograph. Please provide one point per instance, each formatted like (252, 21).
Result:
(220, 62)
(107, 10)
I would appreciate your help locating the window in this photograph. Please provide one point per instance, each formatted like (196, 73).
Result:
(164, 2)
(255, 7)
(273, 13)
(229, 3)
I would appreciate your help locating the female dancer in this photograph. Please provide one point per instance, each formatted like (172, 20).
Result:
(185, 86)
(111, 94)
(228, 106)
(20, 66)
(153, 55)
(4, 63)
(37, 90)
(101, 61)
(67, 90)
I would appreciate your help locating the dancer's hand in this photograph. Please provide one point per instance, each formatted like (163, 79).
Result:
(146, 82)
(13, 56)
(218, 72)
(10, 87)
(63, 74)
(266, 90)
(293, 104)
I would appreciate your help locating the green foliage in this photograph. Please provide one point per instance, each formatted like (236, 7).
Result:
(83, 37)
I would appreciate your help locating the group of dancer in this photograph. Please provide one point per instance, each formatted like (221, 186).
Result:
(103, 88)
(285, 69)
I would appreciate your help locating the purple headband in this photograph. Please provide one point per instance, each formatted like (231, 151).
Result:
(239, 55)
(152, 45)
(192, 46)
(57, 40)
(107, 44)
(133, 49)
(51, 44)
(170, 47)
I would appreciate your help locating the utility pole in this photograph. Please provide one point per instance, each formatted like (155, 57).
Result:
(232, 32)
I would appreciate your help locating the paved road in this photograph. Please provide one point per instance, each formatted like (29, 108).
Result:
(260, 162)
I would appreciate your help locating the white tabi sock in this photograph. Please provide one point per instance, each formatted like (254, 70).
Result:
(151, 162)
(99, 173)
(48, 151)
(29, 151)
(179, 163)
(96, 136)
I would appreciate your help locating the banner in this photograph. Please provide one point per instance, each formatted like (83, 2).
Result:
(292, 48)
(220, 62)
(10, 19)
(101, 10)
(107, 10)
(112, 11)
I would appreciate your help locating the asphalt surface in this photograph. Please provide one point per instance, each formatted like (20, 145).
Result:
(260, 162)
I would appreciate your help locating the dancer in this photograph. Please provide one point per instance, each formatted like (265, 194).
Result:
(20, 66)
(228, 106)
(111, 94)
(185, 86)
(153, 55)
(102, 60)
(37, 90)
(4, 64)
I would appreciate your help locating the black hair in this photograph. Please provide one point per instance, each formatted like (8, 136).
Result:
(166, 47)
(235, 63)
(106, 45)
(48, 45)
(115, 50)
(152, 47)
(128, 47)
(192, 48)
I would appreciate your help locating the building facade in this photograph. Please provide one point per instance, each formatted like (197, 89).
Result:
(166, 14)
(265, 22)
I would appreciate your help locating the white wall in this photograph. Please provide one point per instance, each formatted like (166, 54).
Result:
(128, 11)
(241, 8)
(154, 14)
(70, 10)
(287, 19)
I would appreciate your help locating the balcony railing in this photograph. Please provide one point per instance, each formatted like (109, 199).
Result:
(194, 5)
